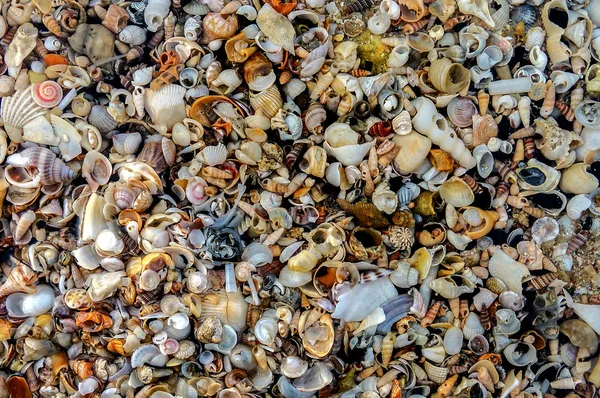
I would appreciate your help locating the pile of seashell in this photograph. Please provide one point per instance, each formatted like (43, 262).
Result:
(228, 198)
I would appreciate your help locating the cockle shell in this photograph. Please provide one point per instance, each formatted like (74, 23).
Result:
(166, 106)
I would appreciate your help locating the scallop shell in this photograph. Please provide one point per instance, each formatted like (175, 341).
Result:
(19, 109)
(166, 106)
(214, 155)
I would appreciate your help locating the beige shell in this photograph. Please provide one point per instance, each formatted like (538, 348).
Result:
(449, 77)
(166, 106)
(413, 150)
(577, 180)
(276, 27)
(484, 128)
(456, 192)
(17, 110)
(267, 102)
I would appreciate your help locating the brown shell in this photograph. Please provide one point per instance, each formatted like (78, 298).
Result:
(484, 128)
(257, 66)
(367, 214)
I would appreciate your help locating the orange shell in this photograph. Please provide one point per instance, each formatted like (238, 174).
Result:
(55, 59)
(441, 160)
(93, 321)
(168, 59)
(283, 7)
(83, 369)
(116, 346)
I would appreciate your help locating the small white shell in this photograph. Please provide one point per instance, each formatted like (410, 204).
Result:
(577, 205)
(142, 77)
(52, 43)
(379, 23)
(133, 35)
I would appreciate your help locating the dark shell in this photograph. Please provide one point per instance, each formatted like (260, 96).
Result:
(526, 13)
(224, 244)
(532, 176)
(547, 200)
(136, 12)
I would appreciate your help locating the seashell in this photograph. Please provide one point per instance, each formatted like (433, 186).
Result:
(101, 119)
(404, 276)
(293, 367)
(23, 305)
(456, 192)
(411, 10)
(577, 180)
(461, 111)
(373, 295)
(267, 102)
(379, 23)
(133, 35)
(391, 8)
(520, 354)
(489, 57)
(436, 374)
(440, 72)
(142, 77)
(276, 27)
(413, 150)
(478, 344)
(508, 271)
(577, 205)
(537, 176)
(96, 169)
(484, 128)
(314, 161)
(47, 94)
(538, 58)
(402, 123)
(385, 200)
(472, 326)
(166, 106)
(563, 81)
(341, 142)
(449, 287)
(453, 340)
(155, 13)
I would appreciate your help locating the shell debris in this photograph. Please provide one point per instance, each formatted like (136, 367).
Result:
(349, 198)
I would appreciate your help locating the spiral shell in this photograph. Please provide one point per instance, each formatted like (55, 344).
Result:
(47, 94)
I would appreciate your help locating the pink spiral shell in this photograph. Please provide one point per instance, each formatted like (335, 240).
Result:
(47, 94)
(169, 347)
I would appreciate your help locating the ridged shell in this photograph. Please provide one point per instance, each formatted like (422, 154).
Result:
(133, 35)
(101, 119)
(214, 155)
(267, 102)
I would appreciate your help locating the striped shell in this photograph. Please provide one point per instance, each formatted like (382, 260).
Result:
(133, 35)
(47, 94)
